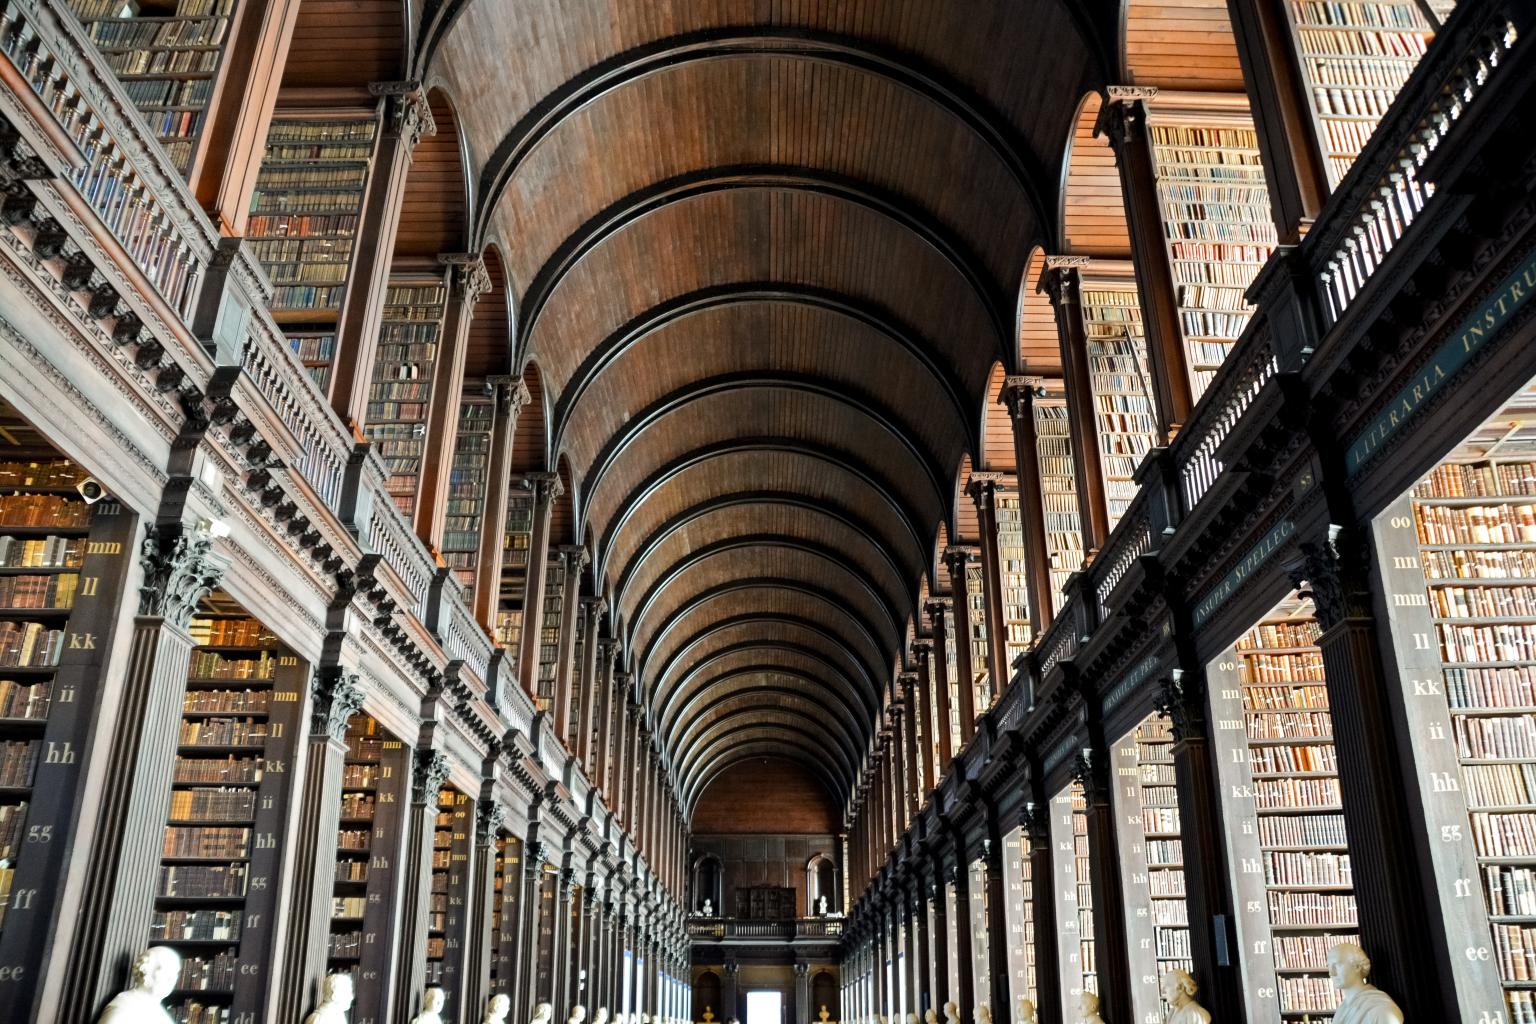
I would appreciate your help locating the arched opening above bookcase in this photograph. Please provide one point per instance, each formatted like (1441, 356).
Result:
(1092, 202)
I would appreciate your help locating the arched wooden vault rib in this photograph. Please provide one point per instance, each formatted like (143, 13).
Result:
(765, 325)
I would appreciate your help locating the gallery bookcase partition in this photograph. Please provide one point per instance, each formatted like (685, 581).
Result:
(506, 893)
(404, 367)
(219, 867)
(549, 633)
(1076, 950)
(167, 54)
(976, 607)
(1013, 572)
(63, 567)
(1216, 218)
(468, 480)
(1151, 857)
(1284, 821)
(1058, 487)
(304, 222)
(517, 536)
(1018, 884)
(448, 910)
(1124, 415)
(544, 937)
(374, 784)
(977, 920)
(1457, 557)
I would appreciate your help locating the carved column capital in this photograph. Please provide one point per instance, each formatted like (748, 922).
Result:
(468, 277)
(936, 611)
(1061, 279)
(1334, 572)
(511, 393)
(982, 487)
(406, 109)
(428, 774)
(573, 557)
(1019, 394)
(1035, 821)
(335, 698)
(546, 487)
(1124, 118)
(180, 569)
(1182, 702)
(490, 816)
(1092, 773)
(957, 558)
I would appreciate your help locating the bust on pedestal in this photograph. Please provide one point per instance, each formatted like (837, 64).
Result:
(578, 1014)
(1362, 1002)
(951, 1013)
(542, 1014)
(709, 908)
(601, 1016)
(152, 978)
(983, 1014)
(1088, 1009)
(930, 1016)
(496, 1009)
(1027, 1012)
(431, 1007)
(1179, 989)
(335, 1000)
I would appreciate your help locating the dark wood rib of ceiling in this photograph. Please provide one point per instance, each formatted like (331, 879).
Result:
(764, 260)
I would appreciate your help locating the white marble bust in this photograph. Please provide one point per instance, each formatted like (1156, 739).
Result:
(543, 1013)
(496, 1009)
(152, 978)
(578, 1014)
(1361, 1002)
(1027, 1013)
(1088, 1009)
(335, 1000)
(601, 1016)
(930, 1016)
(983, 1014)
(431, 1006)
(1178, 989)
(951, 1013)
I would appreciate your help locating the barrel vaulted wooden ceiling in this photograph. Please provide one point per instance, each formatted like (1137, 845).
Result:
(763, 260)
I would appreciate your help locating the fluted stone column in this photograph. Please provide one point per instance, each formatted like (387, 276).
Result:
(429, 772)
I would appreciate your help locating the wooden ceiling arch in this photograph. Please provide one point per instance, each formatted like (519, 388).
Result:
(761, 329)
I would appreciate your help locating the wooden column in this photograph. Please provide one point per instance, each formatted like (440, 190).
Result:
(1019, 397)
(407, 117)
(573, 558)
(637, 742)
(1393, 897)
(997, 923)
(922, 946)
(959, 877)
(467, 281)
(179, 568)
(528, 940)
(560, 945)
(1062, 282)
(546, 489)
(1294, 166)
(1110, 934)
(591, 622)
(922, 651)
(1035, 823)
(1124, 120)
(982, 488)
(604, 701)
(429, 771)
(621, 720)
(511, 396)
(955, 561)
(940, 664)
(334, 698)
(1207, 895)
(222, 171)
(915, 773)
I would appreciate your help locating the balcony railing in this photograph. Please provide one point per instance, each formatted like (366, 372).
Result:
(718, 928)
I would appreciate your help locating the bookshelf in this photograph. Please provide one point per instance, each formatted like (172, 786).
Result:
(373, 780)
(448, 911)
(304, 220)
(504, 913)
(410, 342)
(1018, 883)
(166, 54)
(516, 539)
(1151, 849)
(1218, 226)
(221, 856)
(467, 483)
(976, 603)
(1117, 361)
(549, 634)
(1461, 545)
(1058, 486)
(1013, 572)
(1284, 810)
(1355, 56)
(1074, 897)
(952, 669)
(63, 566)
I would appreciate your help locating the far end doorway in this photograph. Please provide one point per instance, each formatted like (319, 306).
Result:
(765, 1007)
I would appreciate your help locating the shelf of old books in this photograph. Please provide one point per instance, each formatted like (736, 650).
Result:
(516, 538)
(1355, 55)
(1117, 362)
(63, 562)
(221, 857)
(1276, 761)
(304, 221)
(549, 634)
(1020, 910)
(467, 482)
(1076, 955)
(976, 606)
(1146, 805)
(166, 54)
(410, 339)
(1458, 560)
(374, 777)
(1058, 486)
(507, 889)
(1014, 573)
(573, 701)
(952, 673)
(448, 911)
(1216, 219)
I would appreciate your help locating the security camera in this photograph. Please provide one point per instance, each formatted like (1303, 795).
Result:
(91, 490)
